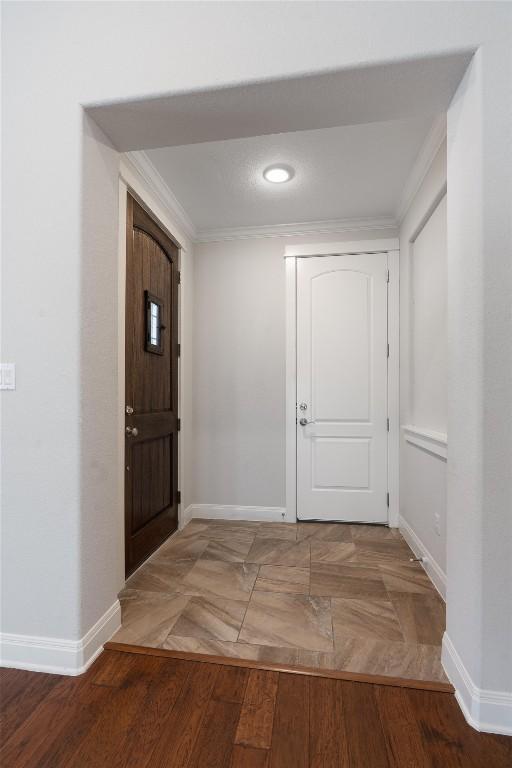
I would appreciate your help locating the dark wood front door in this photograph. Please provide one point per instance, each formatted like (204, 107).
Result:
(151, 405)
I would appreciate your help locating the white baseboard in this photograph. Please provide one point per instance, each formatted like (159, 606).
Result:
(56, 655)
(432, 568)
(488, 711)
(233, 512)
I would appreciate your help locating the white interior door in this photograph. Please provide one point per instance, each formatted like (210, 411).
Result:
(342, 351)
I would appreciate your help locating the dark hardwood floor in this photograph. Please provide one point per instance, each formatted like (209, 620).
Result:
(142, 711)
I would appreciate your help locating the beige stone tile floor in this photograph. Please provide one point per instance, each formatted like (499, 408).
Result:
(326, 595)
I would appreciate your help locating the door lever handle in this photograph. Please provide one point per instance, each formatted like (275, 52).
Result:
(303, 422)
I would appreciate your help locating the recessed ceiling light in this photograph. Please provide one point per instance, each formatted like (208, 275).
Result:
(277, 174)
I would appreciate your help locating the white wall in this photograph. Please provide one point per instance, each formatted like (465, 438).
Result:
(57, 57)
(239, 368)
(239, 374)
(478, 637)
(98, 333)
(423, 379)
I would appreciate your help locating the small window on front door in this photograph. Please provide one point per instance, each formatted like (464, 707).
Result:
(154, 326)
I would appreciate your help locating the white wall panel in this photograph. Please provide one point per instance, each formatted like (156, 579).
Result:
(427, 308)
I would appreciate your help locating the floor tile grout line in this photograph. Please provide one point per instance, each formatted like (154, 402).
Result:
(332, 626)
(249, 600)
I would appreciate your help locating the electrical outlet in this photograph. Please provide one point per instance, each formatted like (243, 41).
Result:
(437, 523)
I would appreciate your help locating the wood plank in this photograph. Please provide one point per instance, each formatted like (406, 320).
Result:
(249, 757)
(38, 733)
(215, 739)
(449, 741)
(231, 685)
(166, 712)
(60, 731)
(182, 726)
(334, 674)
(257, 715)
(290, 738)
(328, 745)
(12, 683)
(400, 727)
(23, 699)
(65, 724)
(111, 669)
(366, 745)
(440, 734)
(141, 740)
(118, 715)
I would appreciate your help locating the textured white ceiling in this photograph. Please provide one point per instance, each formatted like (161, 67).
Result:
(345, 172)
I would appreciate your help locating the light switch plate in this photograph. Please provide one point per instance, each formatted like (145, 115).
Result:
(7, 376)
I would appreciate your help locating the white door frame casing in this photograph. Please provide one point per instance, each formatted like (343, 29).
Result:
(291, 254)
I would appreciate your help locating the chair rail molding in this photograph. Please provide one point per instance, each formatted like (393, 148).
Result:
(435, 443)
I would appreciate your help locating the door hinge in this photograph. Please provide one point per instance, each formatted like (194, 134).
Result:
(178, 424)
(178, 350)
(388, 349)
(388, 425)
(178, 277)
(178, 497)
(387, 498)
(387, 277)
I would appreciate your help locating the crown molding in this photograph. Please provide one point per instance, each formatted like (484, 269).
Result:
(426, 155)
(141, 163)
(303, 228)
